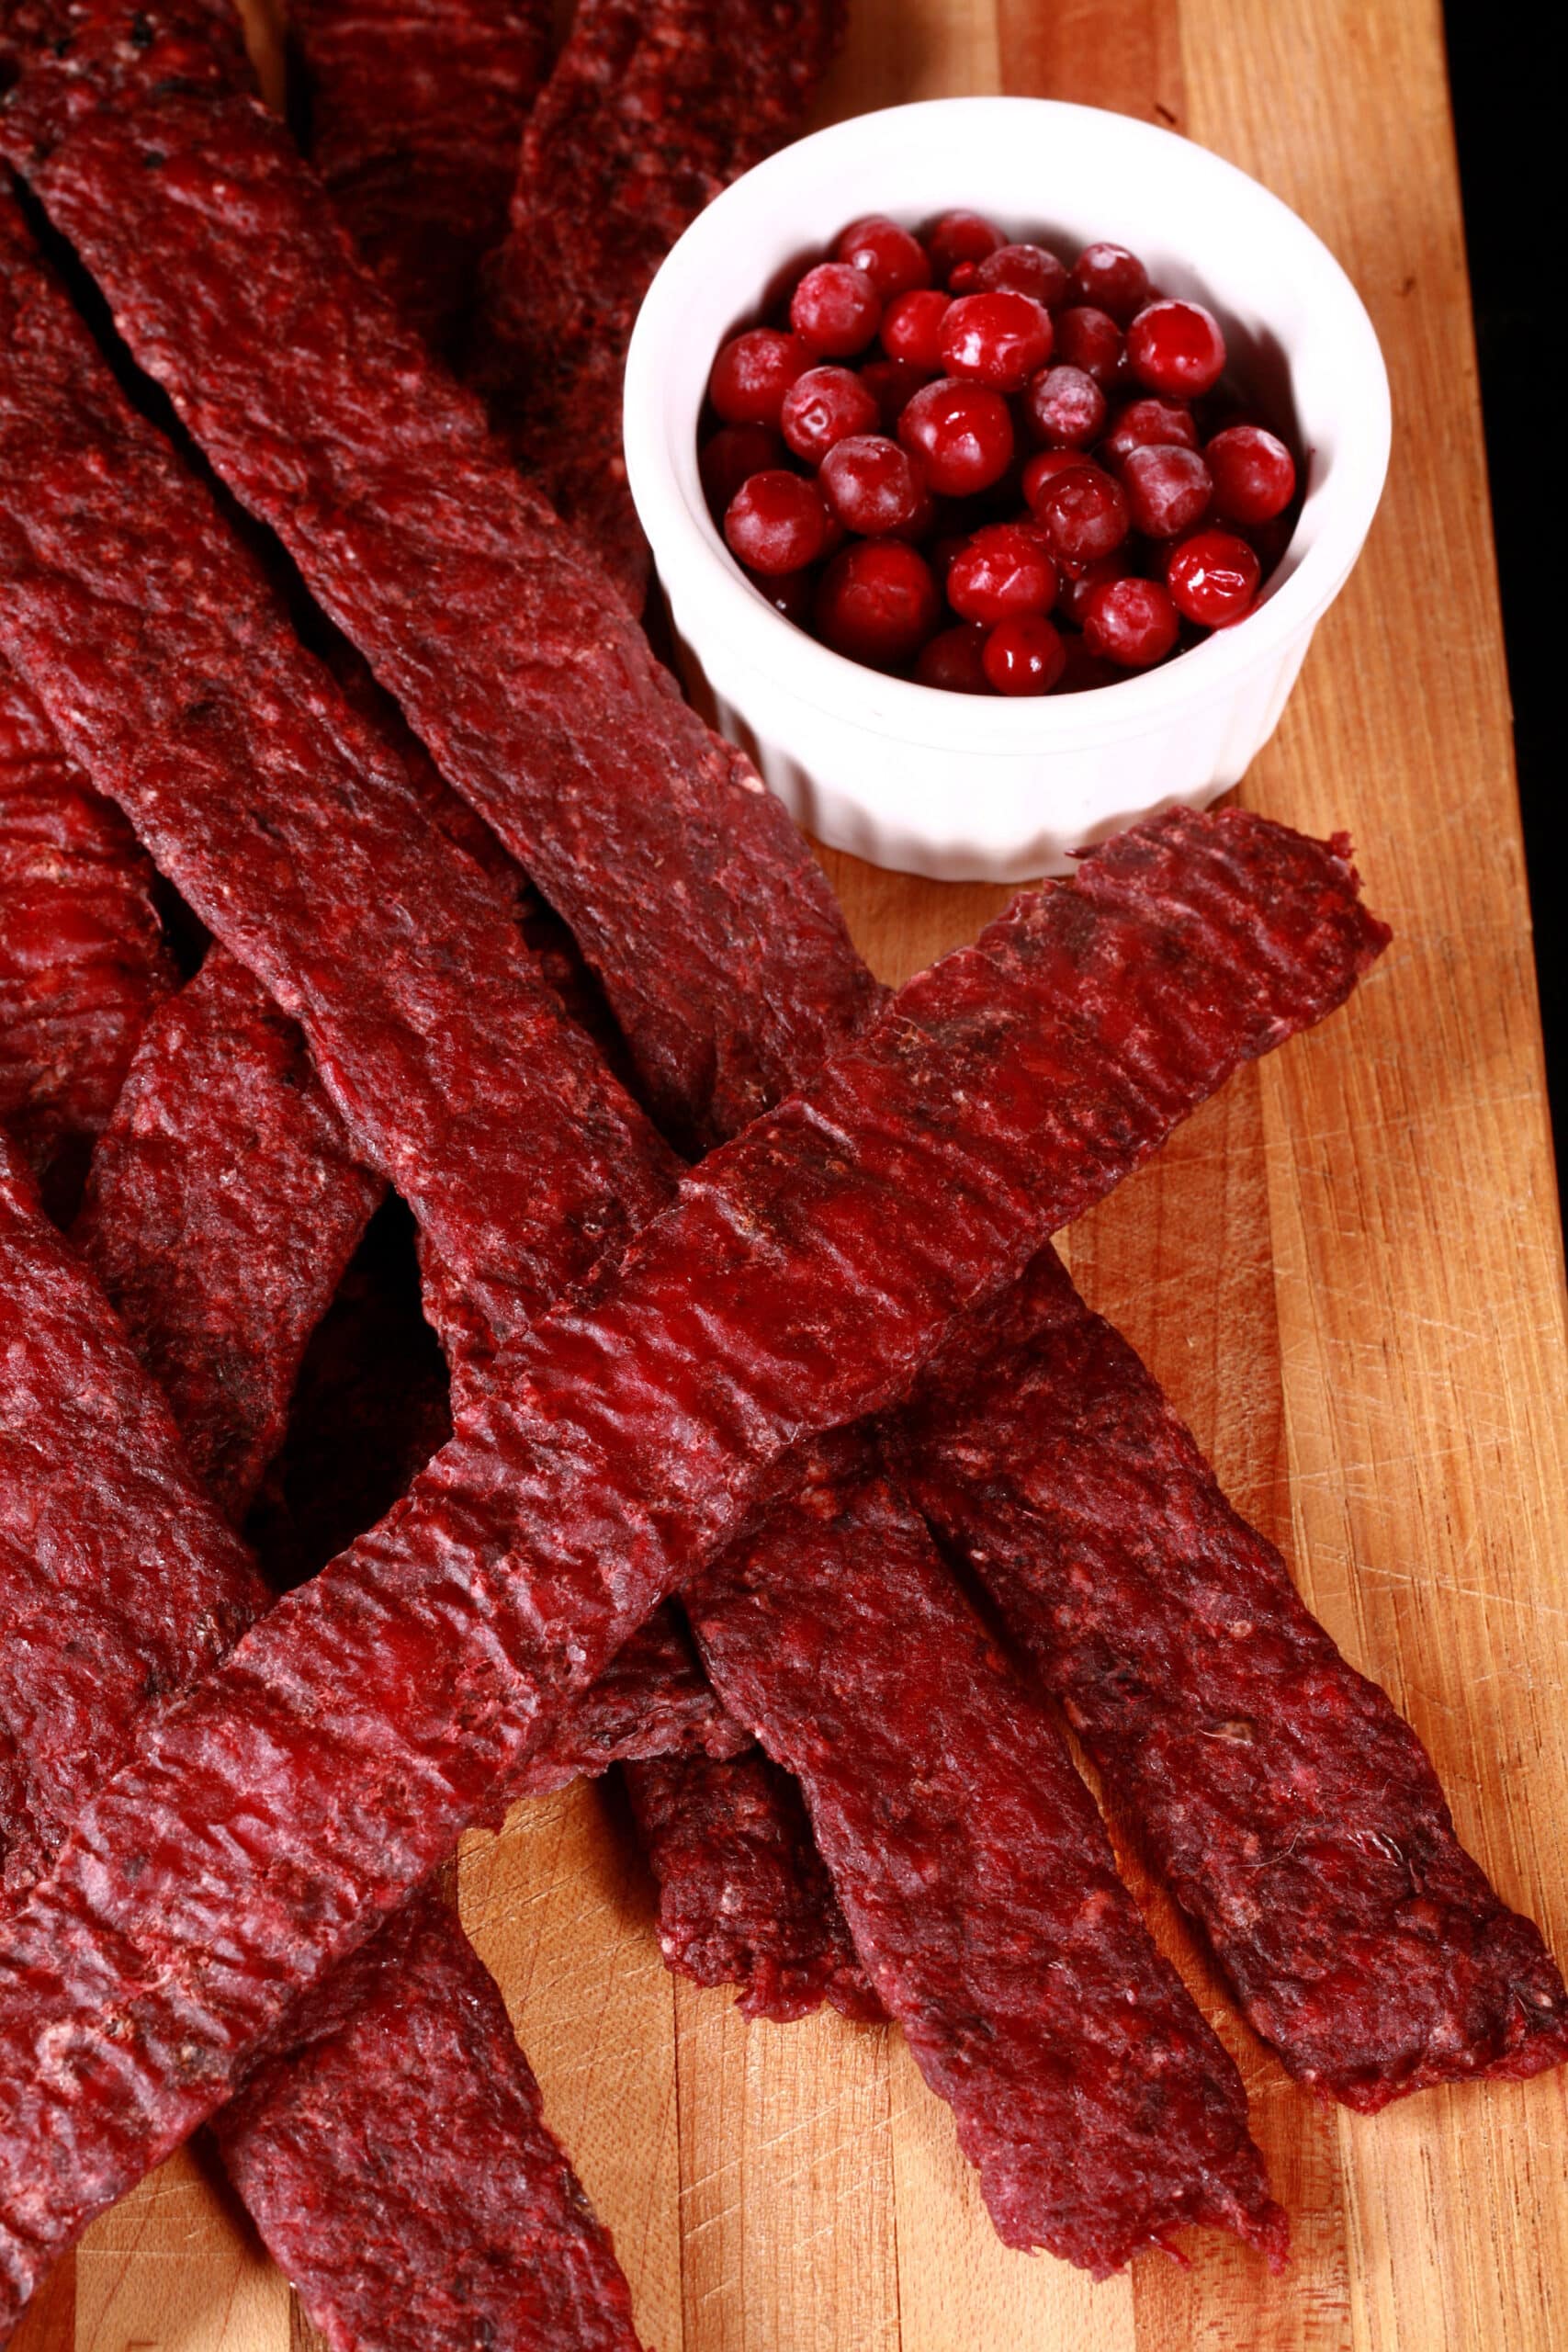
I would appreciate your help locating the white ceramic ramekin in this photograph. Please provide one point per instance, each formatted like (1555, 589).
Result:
(958, 785)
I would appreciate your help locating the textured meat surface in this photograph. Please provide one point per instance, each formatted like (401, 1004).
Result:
(413, 111)
(505, 645)
(980, 1883)
(743, 1897)
(1291, 1809)
(650, 112)
(82, 956)
(297, 1795)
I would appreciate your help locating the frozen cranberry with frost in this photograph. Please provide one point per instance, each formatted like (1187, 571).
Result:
(952, 661)
(729, 456)
(789, 592)
(958, 237)
(1064, 407)
(1212, 578)
(1143, 421)
(961, 432)
(1131, 622)
(877, 602)
(997, 339)
(1108, 278)
(1168, 488)
(776, 522)
(1006, 568)
(1077, 586)
(1026, 269)
(752, 373)
(1090, 339)
(1083, 512)
(891, 383)
(1045, 467)
(911, 328)
(1176, 347)
(1255, 474)
(1024, 656)
(871, 485)
(893, 260)
(825, 405)
(835, 311)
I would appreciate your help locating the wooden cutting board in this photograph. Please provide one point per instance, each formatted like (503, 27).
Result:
(1347, 1273)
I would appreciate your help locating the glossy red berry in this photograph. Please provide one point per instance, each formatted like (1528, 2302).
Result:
(1168, 488)
(1026, 269)
(911, 328)
(1083, 671)
(1142, 423)
(891, 383)
(835, 309)
(961, 432)
(775, 523)
(1255, 474)
(1131, 622)
(1083, 511)
(889, 256)
(957, 237)
(952, 661)
(1066, 407)
(878, 602)
(1110, 279)
(1212, 578)
(1090, 339)
(825, 405)
(871, 485)
(752, 373)
(1024, 656)
(998, 339)
(730, 456)
(1004, 568)
(1176, 347)
(1077, 586)
(1044, 467)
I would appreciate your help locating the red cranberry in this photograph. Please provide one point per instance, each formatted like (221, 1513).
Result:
(1212, 578)
(963, 433)
(733, 454)
(1176, 347)
(911, 328)
(871, 485)
(1045, 467)
(835, 309)
(1004, 568)
(1077, 586)
(752, 373)
(823, 406)
(1143, 423)
(775, 523)
(891, 383)
(922, 521)
(877, 602)
(890, 256)
(1111, 280)
(952, 661)
(1131, 622)
(1084, 671)
(1083, 512)
(1090, 339)
(1024, 656)
(1255, 474)
(1026, 269)
(998, 339)
(959, 237)
(1167, 489)
(789, 592)
(1066, 407)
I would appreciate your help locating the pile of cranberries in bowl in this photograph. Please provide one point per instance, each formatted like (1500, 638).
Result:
(959, 459)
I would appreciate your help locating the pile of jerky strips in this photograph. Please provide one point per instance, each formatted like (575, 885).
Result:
(365, 889)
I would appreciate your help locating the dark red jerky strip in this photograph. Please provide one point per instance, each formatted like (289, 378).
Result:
(289, 825)
(280, 1812)
(413, 111)
(1293, 1811)
(506, 2250)
(540, 698)
(224, 1205)
(980, 1884)
(82, 955)
(743, 1897)
(650, 112)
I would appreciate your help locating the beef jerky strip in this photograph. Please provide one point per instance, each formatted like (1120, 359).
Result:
(119, 1583)
(82, 955)
(650, 111)
(413, 110)
(540, 698)
(1294, 1813)
(278, 1813)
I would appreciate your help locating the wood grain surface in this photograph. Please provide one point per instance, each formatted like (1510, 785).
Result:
(1348, 1271)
